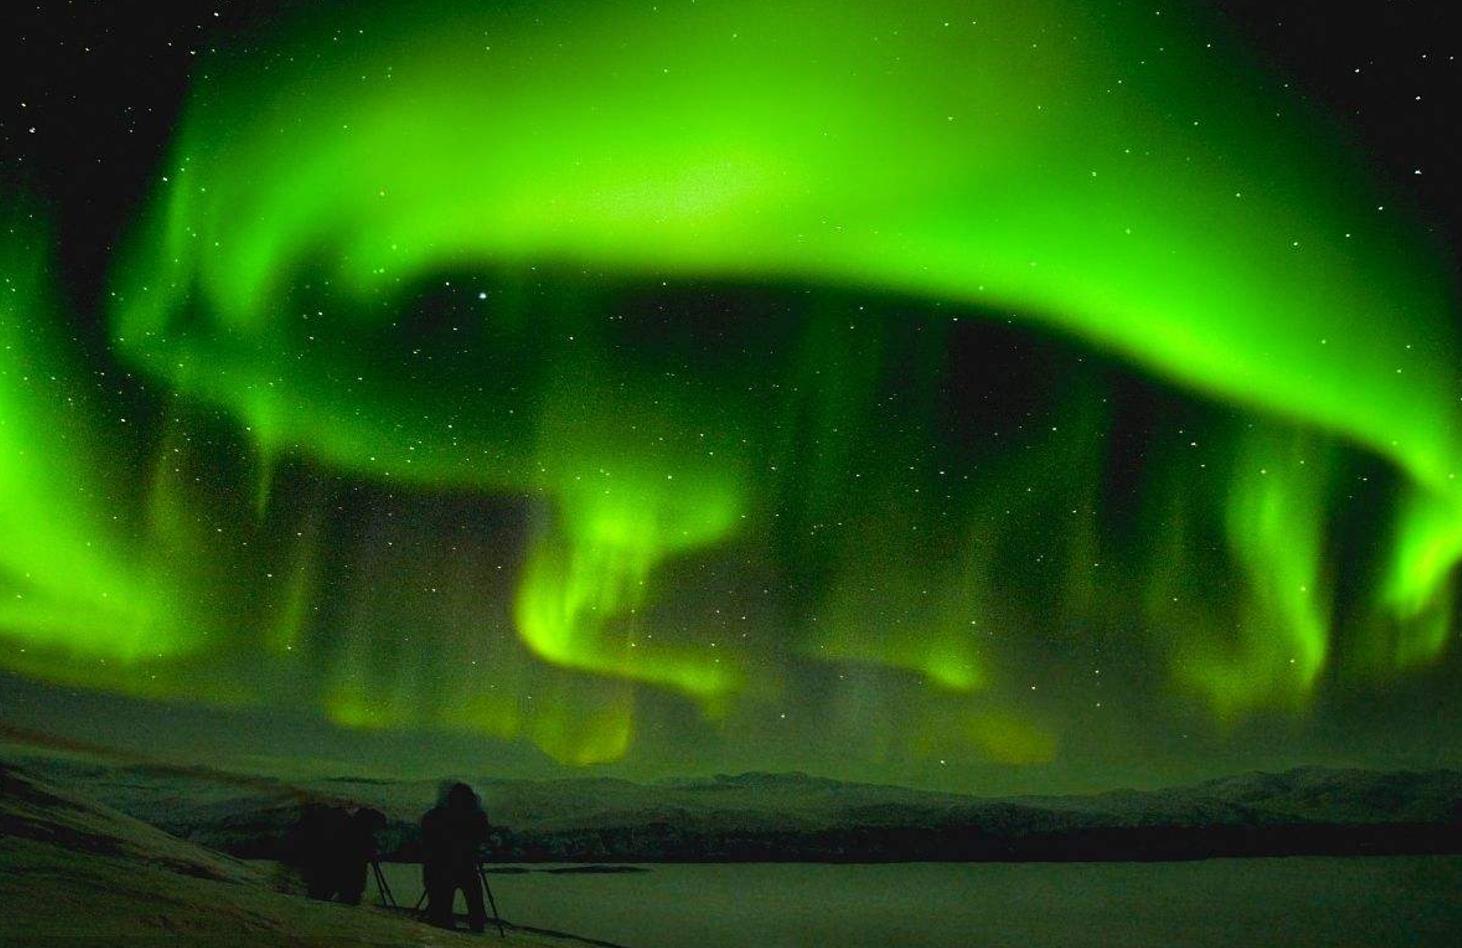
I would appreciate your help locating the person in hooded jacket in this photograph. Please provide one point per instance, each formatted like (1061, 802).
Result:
(356, 849)
(452, 834)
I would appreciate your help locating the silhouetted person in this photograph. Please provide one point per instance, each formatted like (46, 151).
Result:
(334, 849)
(355, 850)
(317, 837)
(452, 832)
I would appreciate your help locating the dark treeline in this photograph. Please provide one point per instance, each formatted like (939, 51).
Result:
(664, 841)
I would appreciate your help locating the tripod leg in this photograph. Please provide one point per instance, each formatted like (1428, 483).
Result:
(482, 873)
(387, 896)
(382, 889)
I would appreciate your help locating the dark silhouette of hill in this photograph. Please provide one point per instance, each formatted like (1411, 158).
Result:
(795, 817)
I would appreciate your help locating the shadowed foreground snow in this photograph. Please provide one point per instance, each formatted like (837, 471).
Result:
(72, 869)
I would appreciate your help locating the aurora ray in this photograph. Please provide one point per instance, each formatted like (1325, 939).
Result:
(707, 308)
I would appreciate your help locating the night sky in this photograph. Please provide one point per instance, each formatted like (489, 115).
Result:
(991, 396)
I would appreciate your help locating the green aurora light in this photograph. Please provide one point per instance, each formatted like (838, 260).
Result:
(689, 288)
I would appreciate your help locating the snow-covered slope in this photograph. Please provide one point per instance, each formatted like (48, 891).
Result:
(72, 869)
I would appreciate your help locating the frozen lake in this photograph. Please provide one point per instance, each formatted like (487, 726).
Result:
(1290, 901)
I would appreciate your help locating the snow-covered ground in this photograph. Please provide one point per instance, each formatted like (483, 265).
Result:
(74, 869)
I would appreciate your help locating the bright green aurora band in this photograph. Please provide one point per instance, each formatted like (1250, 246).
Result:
(659, 351)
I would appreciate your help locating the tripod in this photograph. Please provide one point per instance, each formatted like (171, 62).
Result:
(388, 899)
(481, 874)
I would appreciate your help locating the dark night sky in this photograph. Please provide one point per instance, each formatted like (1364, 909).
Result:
(669, 437)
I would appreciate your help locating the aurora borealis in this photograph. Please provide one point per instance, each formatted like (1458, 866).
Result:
(871, 388)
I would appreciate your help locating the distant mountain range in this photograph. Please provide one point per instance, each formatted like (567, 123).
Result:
(795, 817)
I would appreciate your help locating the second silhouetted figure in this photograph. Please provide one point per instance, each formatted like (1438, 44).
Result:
(452, 833)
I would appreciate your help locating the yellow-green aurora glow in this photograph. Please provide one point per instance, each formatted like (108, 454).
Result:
(516, 370)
